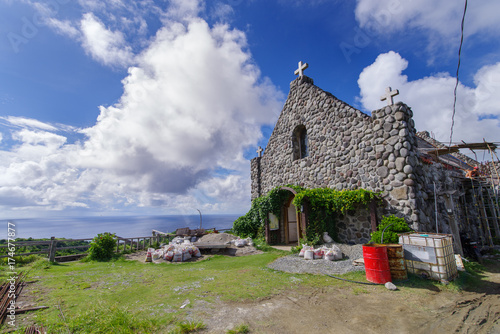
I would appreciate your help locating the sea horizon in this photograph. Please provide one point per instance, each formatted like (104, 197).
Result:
(124, 226)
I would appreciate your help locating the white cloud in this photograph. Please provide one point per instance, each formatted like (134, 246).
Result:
(63, 27)
(221, 11)
(184, 10)
(437, 21)
(431, 99)
(439, 16)
(191, 106)
(39, 138)
(28, 123)
(105, 46)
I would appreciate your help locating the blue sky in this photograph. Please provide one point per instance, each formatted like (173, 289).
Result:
(156, 106)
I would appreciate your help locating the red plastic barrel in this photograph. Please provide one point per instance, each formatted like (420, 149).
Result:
(376, 263)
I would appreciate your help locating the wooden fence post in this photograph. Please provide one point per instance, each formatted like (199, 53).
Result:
(52, 249)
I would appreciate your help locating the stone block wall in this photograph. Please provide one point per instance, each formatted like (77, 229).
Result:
(255, 175)
(355, 227)
(347, 149)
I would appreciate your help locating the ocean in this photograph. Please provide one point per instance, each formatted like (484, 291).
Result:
(122, 226)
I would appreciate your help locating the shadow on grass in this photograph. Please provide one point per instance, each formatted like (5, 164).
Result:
(473, 279)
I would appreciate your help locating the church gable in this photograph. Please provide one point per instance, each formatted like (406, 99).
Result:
(321, 141)
(312, 125)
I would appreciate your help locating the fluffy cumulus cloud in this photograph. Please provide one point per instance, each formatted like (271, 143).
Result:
(192, 103)
(440, 16)
(431, 99)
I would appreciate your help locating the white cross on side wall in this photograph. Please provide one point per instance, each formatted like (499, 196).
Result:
(389, 96)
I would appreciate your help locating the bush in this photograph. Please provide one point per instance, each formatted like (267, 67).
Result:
(102, 247)
(398, 225)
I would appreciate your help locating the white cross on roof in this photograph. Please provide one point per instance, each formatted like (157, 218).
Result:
(389, 96)
(300, 70)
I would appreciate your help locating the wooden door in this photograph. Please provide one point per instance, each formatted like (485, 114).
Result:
(292, 224)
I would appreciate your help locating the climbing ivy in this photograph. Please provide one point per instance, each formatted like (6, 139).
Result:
(325, 205)
(334, 200)
(252, 224)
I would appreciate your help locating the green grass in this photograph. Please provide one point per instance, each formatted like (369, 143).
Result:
(469, 280)
(133, 297)
(241, 329)
(186, 327)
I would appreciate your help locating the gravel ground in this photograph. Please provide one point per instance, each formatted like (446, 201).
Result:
(297, 265)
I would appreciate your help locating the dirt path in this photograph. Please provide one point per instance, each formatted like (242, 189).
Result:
(363, 309)
(472, 312)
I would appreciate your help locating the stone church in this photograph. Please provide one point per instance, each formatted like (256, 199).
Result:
(321, 141)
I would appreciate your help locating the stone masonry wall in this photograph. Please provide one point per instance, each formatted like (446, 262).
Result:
(255, 176)
(447, 185)
(347, 149)
(355, 227)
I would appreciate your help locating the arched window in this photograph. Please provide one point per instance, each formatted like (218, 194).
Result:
(299, 142)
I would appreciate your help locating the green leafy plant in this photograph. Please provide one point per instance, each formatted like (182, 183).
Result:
(188, 327)
(241, 329)
(296, 249)
(102, 247)
(393, 226)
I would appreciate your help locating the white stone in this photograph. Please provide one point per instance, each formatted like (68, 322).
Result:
(390, 286)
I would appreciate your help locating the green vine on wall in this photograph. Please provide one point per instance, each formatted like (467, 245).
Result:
(339, 201)
(252, 224)
(325, 205)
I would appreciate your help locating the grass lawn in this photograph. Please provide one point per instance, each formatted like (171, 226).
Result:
(124, 296)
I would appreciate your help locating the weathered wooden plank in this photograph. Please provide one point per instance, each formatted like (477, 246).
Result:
(28, 309)
(26, 243)
(68, 240)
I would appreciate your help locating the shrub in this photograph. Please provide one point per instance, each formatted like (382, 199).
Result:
(394, 226)
(102, 247)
